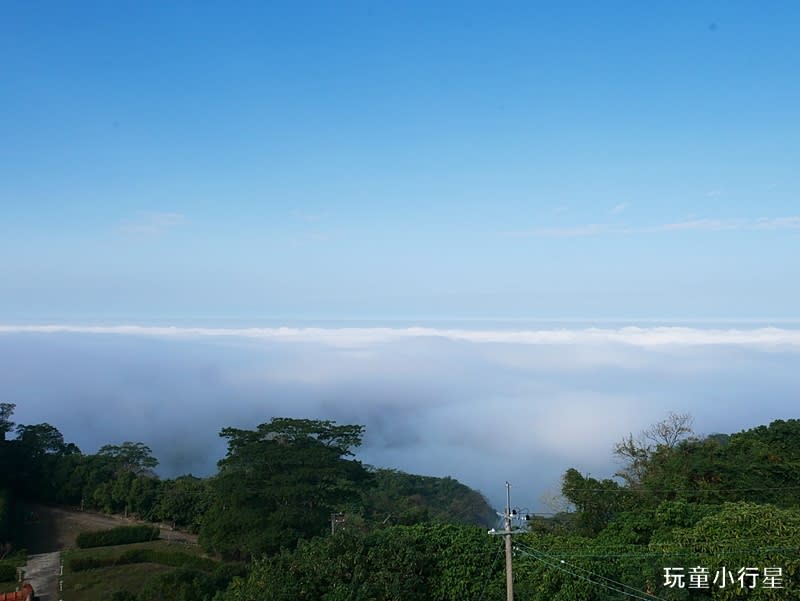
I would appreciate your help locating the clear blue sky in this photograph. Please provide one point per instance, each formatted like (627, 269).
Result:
(399, 160)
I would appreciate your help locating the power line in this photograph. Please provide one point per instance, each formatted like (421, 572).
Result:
(662, 544)
(681, 553)
(682, 490)
(582, 577)
(491, 569)
(590, 572)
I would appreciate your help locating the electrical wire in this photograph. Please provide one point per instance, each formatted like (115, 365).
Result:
(587, 571)
(491, 569)
(681, 553)
(681, 490)
(649, 596)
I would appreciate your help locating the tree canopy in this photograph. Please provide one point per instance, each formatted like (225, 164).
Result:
(279, 483)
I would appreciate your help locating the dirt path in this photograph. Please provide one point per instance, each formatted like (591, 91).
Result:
(42, 571)
(55, 528)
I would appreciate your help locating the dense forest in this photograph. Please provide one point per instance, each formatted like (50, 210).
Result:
(685, 517)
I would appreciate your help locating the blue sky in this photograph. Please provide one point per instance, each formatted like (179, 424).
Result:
(221, 167)
(415, 161)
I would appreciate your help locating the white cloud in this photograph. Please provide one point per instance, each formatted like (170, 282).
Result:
(713, 225)
(763, 223)
(356, 337)
(618, 208)
(482, 405)
(778, 223)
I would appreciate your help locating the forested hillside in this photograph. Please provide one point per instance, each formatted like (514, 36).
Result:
(685, 517)
(277, 484)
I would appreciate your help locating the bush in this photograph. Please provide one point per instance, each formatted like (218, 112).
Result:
(8, 572)
(167, 558)
(181, 585)
(80, 564)
(225, 572)
(136, 556)
(123, 596)
(122, 535)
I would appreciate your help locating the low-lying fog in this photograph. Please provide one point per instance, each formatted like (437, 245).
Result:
(481, 405)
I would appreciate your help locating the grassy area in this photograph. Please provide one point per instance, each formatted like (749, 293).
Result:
(15, 559)
(100, 583)
(96, 585)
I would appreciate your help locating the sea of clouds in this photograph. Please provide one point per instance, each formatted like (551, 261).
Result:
(480, 404)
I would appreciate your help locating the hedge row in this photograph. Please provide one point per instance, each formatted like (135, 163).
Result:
(122, 535)
(168, 558)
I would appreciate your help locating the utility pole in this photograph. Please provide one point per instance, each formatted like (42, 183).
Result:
(336, 518)
(509, 551)
(509, 515)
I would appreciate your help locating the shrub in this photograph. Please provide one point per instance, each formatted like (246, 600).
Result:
(136, 556)
(168, 558)
(8, 572)
(181, 585)
(80, 564)
(225, 572)
(122, 535)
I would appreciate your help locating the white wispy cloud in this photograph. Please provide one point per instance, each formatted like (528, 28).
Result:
(699, 225)
(153, 223)
(576, 231)
(709, 225)
(618, 208)
(714, 225)
(778, 223)
(361, 337)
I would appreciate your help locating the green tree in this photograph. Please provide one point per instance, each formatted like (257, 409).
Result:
(279, 483)
(184, 501)
(90, 473)
(39, 451)
(143, 497)
(42, 439)
(133, 457)
(430, 562)
(6, 425)
(9, 459)
(596, 501)
(401, 498)
(738, 535)
(636, 452)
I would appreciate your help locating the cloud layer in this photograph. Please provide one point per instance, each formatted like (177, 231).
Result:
(355, 336)
(484, 406)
